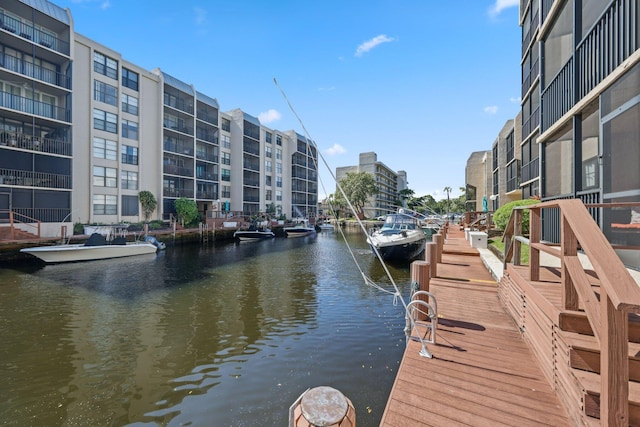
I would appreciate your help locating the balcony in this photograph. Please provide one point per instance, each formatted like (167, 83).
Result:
(530, 170)
(33, 34)
(30, 106)
(35, 143)
(178, 147)
(34, 71)
(34, 179)
(178, 170)
(177, 192)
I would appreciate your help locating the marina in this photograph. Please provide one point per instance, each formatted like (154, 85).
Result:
(229, 334)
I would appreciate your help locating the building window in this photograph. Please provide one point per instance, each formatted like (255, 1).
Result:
(267, 152)
(129, 129)
(129, 104)
(267, 180)
(225, 124)
(268, 167)
(129, 180)
(278, 181)
(104, 65)
(105, 93)
(129, 155)
(105, 121)
(268, 137)
(558, 169)
(278, 195)
(129, 79)
(279, 168)
(268, 195)
(104, 204)
(278, 140)
(225, 175)
(104, 177)
(226, 191)
(226, 141)
(278, 153)
(225, 158)
(105, 149)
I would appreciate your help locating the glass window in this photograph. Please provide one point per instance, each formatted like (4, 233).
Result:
(558, 166)
(267, 151)
(129, 155)
(130, 205)
(105, 93)
(226, 141)
(278, 168)
(129, 180)
(105, 149)
(268, 137)
(104, 65)
(129, 104)
(104, 204)
(104, 177)
(129, 79)
(267, 180)
(268, 167)
(589, 144)
(226, 124)
(621, 144)
(268, 195)
(278, 195)
(129, 129)
(278, 181)
(225, 175)
(225, 158)
(105, 121)
(278, 140)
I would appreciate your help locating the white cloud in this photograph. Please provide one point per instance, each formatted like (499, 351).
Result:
(491, 109)
(336, 149)
(501, 5)
(515, 100)
(370, 44)
(201, 16)
(269, 116)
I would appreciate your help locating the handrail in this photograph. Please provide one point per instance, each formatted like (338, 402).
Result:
(608, 312)
(30, 222)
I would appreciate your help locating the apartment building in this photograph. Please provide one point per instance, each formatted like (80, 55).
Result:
(388, 182)
(505, 173)
(35, 113)
(131, 130)
(589, 90)
(478, 178)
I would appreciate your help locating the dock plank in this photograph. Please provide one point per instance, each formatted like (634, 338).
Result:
(482, 372)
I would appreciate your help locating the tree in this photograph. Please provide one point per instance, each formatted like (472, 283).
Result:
(448, 190)
(405, 194)
(187, 210)
(148, 203)
(357, 186)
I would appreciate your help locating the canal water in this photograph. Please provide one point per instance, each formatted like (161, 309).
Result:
(225, 335)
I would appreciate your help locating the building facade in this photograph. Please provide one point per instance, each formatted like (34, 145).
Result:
(478, 175)
(83, 155)
(35, 114)
(505, 173)
(388, 182)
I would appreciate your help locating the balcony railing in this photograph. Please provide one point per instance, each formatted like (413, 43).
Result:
(34, 71)
(179, 148)
(34, 179)
(530, 170)
(30, 106)
(558, 96)
(177, 192)
(34, 34)
(178, 170)
(35, 143)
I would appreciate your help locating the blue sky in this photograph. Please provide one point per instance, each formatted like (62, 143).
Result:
(423, 83)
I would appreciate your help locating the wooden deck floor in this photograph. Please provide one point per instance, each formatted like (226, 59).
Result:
(482, 372)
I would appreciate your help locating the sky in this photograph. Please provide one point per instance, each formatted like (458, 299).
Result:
(422, 83)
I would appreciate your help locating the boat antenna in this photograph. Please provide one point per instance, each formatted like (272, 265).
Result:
(397, 295)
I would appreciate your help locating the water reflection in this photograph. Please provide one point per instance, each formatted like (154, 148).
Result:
(226, 335)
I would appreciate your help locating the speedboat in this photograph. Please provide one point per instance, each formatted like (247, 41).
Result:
(300, 228)
(256, 231)
(96, 247)
(399, 239)
(326, 226)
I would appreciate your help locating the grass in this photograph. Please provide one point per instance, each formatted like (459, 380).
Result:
(524, 251)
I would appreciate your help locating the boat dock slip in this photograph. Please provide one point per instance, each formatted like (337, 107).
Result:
(482, 372)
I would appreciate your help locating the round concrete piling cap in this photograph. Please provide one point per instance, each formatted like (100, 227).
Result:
(324, 406)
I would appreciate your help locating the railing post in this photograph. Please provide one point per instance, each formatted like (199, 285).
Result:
(534, 237)
(569, 247)
(420, 271)
(431, 256)
(11, 222)
(614, 365)
(517, 231)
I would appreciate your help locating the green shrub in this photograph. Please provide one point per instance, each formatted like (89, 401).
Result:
(78, 228)
(501, 216)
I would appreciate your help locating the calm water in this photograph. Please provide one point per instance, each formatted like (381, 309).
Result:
(218, 336)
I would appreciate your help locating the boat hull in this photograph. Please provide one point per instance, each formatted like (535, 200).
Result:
(299, 231)
(252, 236)
(73, 253)
(398, 246)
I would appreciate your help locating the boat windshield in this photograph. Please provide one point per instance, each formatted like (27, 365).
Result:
(399, 222)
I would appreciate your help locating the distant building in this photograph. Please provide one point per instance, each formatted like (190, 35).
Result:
(478, 180)
(389, 184)
(505, 170)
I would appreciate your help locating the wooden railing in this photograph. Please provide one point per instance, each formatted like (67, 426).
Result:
(607, 311)
(7, 215)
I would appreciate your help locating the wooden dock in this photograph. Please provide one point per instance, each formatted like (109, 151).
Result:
(482, 372)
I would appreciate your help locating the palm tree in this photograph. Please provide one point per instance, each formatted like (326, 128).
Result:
(448, 190)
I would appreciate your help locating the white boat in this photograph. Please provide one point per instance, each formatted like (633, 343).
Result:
(399, 239)
(326, 226)
(300, 229)
(97, 247)
(256, 231)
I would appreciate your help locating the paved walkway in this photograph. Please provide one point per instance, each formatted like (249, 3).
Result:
(482, 373)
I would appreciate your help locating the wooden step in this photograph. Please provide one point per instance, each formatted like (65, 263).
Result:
(584, 354)
(576, 321)
(590, 383)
